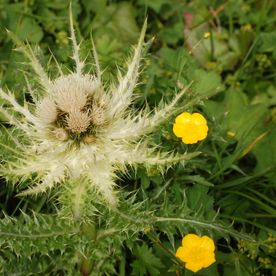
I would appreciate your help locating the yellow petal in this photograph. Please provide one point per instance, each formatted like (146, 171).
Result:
(198, 119)
(180, 253)
(183, 130)
(178, 130)
(193, 266)
(184, 254)
(189, 135)
(207, 244)
(208, 258)
(189, 140)
(183, 118)
(191, 241)
(202, 132)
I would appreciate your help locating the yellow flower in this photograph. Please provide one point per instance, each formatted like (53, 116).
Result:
(190, 127)
(206, 34)
(197, 252)
(231, 133)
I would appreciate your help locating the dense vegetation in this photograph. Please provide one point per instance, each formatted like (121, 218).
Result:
(228, 50)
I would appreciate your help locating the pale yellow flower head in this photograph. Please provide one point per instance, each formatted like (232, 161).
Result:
(196, 252)
(46, 111)
(190, 127)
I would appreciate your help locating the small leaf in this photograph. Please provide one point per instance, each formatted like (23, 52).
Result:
(28, 29)
(156, 5)
(267, 42)
(146, 263)
(206, 83)
(198, 179)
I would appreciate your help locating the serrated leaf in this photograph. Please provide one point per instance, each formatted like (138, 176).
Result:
(268, 42)
(146, 263)
(28, 29)
(206, 83)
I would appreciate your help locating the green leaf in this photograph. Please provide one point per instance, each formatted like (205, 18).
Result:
(206, 83)
(96, 6)
(265, 152)
(28, 29)
(146, 263)
(120, 24)
(268, 42)
(176, 59)
(199, 200)
(156, 5)
(198, 179)
(172, 34)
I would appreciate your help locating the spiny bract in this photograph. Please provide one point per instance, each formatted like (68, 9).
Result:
(76, 129)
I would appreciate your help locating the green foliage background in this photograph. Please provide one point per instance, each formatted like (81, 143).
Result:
(227, 192)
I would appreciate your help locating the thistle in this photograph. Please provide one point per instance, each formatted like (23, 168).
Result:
(79, 130)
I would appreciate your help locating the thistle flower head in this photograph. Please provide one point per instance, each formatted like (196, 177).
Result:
(82, 132)
(77, 121)
(74, 106)
(46, 111)
(73, 91)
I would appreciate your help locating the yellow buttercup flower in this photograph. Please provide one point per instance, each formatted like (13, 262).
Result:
(206, 34)
(231, 133)
(197, 252)
(190, 127)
